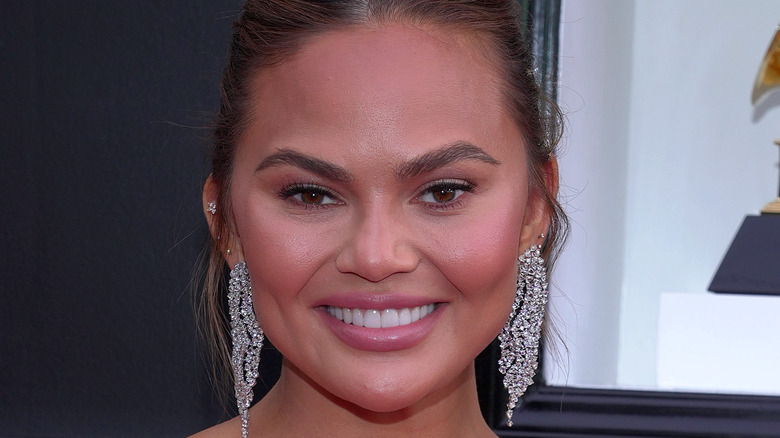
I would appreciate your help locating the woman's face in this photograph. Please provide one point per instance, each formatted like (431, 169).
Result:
(381, 172)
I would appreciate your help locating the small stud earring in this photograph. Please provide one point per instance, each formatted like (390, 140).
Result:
(212, 207)
(541, 236)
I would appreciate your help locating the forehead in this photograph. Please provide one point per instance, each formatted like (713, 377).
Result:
(382, 88)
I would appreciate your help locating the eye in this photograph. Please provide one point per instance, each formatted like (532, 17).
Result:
(445, 192)
(309, 195)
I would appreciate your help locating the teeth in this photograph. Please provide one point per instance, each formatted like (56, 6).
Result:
(373, 318)
(347, 315)
(390, 318)
(405, 317)
(357, 317)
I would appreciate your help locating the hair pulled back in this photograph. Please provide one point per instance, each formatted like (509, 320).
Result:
(270, 31)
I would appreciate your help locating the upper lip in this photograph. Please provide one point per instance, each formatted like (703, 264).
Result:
(379, 301)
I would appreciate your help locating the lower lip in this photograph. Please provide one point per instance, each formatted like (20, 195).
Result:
(382, 339)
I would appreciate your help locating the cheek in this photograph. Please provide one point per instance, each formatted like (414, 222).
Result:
(482, 264)
(486, 257)
(484, 270)
(281, 255)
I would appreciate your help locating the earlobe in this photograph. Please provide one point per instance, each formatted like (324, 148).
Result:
(219, 227)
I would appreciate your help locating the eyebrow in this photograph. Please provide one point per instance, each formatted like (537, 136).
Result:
(306, 162)
(456, 151)
(428, 162)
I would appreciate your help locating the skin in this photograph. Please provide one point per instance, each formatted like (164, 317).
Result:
(368, 102)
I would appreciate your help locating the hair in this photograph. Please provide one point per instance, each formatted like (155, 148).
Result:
(268, 32)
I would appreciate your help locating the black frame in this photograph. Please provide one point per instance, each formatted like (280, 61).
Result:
(552, 411)
(543, 19)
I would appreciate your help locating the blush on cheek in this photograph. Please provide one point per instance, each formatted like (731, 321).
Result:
(484, 261)
(283, 254)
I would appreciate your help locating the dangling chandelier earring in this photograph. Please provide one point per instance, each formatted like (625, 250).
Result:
(247, 339)
(519, 339)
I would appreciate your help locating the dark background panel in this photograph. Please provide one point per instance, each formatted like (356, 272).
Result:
(103, 130)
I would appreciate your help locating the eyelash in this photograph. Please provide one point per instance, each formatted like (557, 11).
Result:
(295, 189)
(446, 185)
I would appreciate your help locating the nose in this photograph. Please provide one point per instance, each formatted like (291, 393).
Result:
(379, 245)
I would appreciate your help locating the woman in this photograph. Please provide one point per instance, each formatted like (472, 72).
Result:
(383, 179)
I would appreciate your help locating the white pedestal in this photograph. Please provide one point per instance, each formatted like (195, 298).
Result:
(719, 343)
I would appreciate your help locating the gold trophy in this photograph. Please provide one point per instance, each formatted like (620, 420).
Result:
(751, 265)
(767, 81)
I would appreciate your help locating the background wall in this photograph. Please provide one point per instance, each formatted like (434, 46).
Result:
(594, 92)
(665, 157)
(103, 157)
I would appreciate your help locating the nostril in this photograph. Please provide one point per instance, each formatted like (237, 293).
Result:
(375, 264)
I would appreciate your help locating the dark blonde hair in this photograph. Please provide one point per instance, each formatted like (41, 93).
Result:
(269, 31)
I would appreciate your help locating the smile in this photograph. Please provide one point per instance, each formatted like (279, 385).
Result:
(373, 318)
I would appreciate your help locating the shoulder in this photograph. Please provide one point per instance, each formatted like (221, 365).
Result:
(228, 429)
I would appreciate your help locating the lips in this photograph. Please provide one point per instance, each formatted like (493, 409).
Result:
(380, 323)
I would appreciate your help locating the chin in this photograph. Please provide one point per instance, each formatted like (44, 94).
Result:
(392, 394)
(385, 402)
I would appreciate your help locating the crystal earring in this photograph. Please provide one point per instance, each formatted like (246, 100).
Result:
(519, 339)
(247, 339)
(212, 207)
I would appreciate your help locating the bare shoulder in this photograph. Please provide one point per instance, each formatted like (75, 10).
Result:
(228, 429)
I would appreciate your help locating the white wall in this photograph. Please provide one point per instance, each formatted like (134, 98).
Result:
(594, 92)
(665, 156)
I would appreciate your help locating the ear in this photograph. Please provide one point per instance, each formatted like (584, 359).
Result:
(537, 217)
(221, 224)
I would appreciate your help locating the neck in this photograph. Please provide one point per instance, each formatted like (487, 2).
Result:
(296, 406)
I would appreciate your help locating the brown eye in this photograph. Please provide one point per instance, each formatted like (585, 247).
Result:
(443, 194)
(311, 197)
